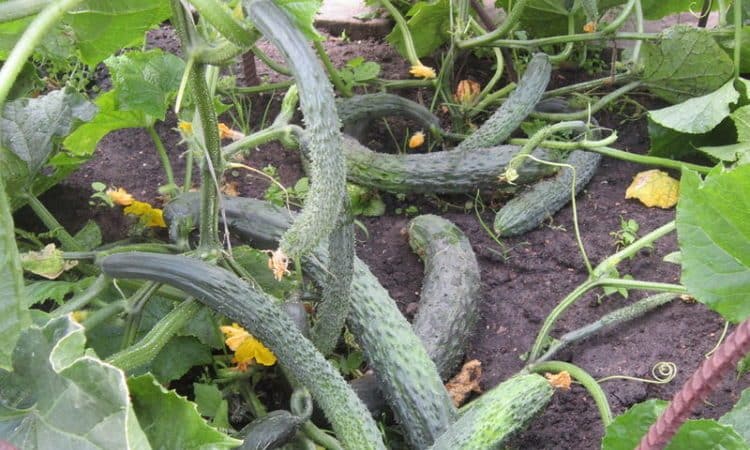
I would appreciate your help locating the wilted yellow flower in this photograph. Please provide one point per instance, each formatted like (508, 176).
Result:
(79, 316)
(422, 71)
(185, 127)
(559, 380)
(120, 196)
(227, 133)
(151, 217)
(416, 139)
(246, 348)
(278, 263)
(466, 91)
(590, 27)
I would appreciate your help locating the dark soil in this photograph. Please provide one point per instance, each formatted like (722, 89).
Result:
(519, 291)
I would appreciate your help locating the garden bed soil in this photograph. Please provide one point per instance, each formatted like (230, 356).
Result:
(519, 290)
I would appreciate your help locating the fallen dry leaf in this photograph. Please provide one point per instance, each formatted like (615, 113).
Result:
(654, 188)
(466, 382)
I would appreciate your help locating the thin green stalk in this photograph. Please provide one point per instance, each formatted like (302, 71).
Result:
(593, 109)
(586, 380)
(320, 437)
(187, 183)
(162, 152)
(261, 137)
(215, 13)
(642, 285)
(81, 300)
(68, 242)
(145, 350)
(618, 316)
(265, 87)
(636, 54)
(511, 171)
(530, 44)
(18, 9)
(621, 18)
(37, 30)
(613, 260)
(737, 37)
(218, 54)
(723, 8)
(277, 67)
(568, 49)
(119, 247)
(102, 315)
(491, 98)
(257, 409)
(134, 307)
(403, 84)
(333, 74)
(588, 85)
(510, 21)
(411, 52)
(619, 154)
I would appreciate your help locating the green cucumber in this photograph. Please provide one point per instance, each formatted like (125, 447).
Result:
(408, 376)
(448, 304)
(366, 108)
(452, 171)
(488, 421)
(519, 104)
(273, 430)
(323, 138)
(528, 209)
(262, 317)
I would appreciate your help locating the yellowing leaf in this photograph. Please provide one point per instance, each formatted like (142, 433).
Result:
(654, 188)
(47, 263)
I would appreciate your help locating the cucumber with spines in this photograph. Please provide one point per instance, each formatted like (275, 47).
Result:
(366, 108)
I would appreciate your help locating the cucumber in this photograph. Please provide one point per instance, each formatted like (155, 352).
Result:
(261, 316)
(488, 421)
(528, 209)
(452, 171)
(273, 430)
(365, 109)
(407, 375)
(323, 138)
(448, 304)
(519, 104)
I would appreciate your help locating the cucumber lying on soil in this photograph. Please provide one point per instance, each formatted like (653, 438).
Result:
(488, 421)
(407, 375)
(360, 111)
(449, 301)
(529, 208)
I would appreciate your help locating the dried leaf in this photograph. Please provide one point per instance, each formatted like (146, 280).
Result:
(47, 263)
(466, 382)
(654, 188)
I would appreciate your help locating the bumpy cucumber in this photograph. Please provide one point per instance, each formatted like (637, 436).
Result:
(366, 108)
(520, 103)
(407, 375)
(528, 209)
(271, 431)
(261, 316)
(452, 171)
(449, 300)
(488, 421)
(328, 170)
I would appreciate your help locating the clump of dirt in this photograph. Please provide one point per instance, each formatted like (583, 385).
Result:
(522, 280)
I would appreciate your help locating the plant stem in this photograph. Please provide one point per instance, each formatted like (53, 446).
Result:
(737, 37)
(269, 134)
(411, 52)
(619, 154)
(580, 37)
(533, 142)
(37, 30)
(320, 437)
(491, 98)
(613, 260)
(273, 65)
(18, 9)
(81, 300)
(134, 307)
(403, 84)
(510, 20)
(162, 154)
(102, 315)
(593, 109)
(157, 337)
(215, 13)
(265, 87)
(586, 380)
(621, 315)
(68, 242)
(333, 74)
(639, 29)
(568, 49)
(591, 84)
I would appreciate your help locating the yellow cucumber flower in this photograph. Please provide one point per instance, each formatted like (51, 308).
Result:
(416, 139)
(246, 348)
(151, 217)
(185, 127)
(422, 71)
(119, 196)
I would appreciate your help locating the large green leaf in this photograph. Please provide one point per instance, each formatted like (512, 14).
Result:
(626, 431)
(145, 81)
(656, 9)
(739, 417)
(429, 25)
(84, 139)
(699, 114)
(102, 27)
(550, 17)
(668, 143)
(63, 397)
(302, 13)
(177, 357)
(14, 316)
(741, 118)
(29, 127)
(171, 421)
(686, 62)
(9, 34)
(714, 236)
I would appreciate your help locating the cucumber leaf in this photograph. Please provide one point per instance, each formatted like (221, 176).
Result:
(739, 417)
(429, 25)
(686, 62)
(61, 397)
(145, 81)
(656, 9)
(714, 237)
(733, 153)
(627, 429)
(102, 27)
(699, 114)
(741, 118)
(302, 13)
(14, 315)
(668, 143)
(172, 421)
(177, 357)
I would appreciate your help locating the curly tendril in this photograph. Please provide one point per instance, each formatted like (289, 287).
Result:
(662, 373)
